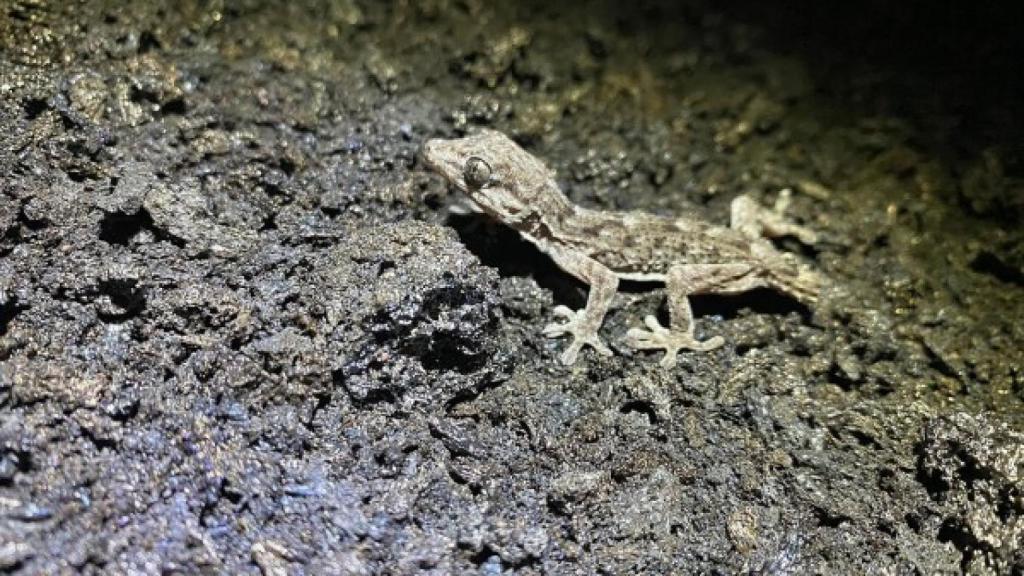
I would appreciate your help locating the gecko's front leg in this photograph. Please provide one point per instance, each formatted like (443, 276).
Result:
(583, 324)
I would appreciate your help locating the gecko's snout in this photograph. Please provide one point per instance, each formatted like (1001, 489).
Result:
(435, 156)
(429, 152)
(438, 155)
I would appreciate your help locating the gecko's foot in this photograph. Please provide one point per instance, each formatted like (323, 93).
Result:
(575, 325)
(802, 233)
(755, 221)
(657, 337)
(781, 225)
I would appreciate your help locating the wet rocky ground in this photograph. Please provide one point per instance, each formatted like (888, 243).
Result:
(240, 333)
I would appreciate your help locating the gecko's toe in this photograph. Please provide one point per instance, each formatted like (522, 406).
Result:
(654, 338)
(669, 360)
(709, 344)
(568, 357)
(808, 237)
(564, 312)
(652, 323)
(556, 329)
(657, 337)
(783, 201)
(599, 346)
(576, 346)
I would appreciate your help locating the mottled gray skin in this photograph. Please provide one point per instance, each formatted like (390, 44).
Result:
(600, 248)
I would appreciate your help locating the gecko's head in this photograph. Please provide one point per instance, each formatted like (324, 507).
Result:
(492, 170)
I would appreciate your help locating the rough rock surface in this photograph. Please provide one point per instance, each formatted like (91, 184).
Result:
(239, 333)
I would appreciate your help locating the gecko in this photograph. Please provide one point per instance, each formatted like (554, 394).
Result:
(689, 256)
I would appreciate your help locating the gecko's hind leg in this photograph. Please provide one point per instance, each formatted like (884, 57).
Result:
(681, 282)
(756, 221)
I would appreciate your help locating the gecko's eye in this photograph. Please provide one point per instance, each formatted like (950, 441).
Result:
(477, 172)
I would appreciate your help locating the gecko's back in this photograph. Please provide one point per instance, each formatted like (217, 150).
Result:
(637, 245)
(641, 246)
